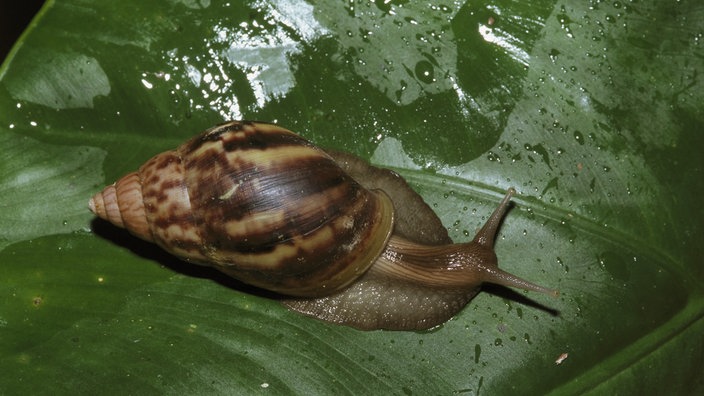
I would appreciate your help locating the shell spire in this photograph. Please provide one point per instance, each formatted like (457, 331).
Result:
(121, 204)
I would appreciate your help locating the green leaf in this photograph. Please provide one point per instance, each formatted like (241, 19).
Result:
(592, 110)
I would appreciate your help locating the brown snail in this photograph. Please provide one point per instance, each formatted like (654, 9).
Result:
(346, 242)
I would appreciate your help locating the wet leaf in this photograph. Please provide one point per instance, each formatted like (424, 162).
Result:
(593, 111)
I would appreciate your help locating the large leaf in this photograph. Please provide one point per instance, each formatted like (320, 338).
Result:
(593, 110)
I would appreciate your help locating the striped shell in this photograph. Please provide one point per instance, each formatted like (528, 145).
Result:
(257, 202)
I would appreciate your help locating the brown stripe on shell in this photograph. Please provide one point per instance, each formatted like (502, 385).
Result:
(264, 197)
(255, 181)
(323, 261)
(244, 135)
(301, 199)
(168, 208)
(263, 231)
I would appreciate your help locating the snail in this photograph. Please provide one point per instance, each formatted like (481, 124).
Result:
(339, 239)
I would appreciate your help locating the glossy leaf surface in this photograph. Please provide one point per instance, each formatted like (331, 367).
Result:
(592, 110)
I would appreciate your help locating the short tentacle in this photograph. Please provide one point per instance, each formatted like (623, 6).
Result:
(485, 236)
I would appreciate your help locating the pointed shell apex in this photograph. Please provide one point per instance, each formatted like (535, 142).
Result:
(121, 204)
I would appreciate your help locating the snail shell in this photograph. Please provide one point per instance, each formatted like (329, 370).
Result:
(347, 242)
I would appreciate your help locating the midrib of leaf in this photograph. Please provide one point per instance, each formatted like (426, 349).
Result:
(640, 350)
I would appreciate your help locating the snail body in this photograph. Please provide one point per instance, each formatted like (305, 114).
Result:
(341, 240)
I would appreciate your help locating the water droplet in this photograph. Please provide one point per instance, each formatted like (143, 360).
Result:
(425, 71)
(579, 137)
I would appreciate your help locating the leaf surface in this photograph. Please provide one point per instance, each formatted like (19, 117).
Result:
(592, 111)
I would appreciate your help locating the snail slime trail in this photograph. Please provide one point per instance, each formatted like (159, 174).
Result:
(345, 241)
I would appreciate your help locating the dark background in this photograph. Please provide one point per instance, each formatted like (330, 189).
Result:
(14, 18)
